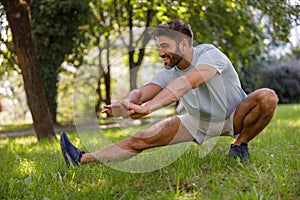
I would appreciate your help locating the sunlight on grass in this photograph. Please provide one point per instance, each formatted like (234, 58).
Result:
(25, 141)
(4, 142)
(26, 166)
(36, 170)
(116, 133)
(297, 122)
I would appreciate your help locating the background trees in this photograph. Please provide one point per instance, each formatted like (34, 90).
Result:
(66, 31)
(57, 38)
(18, 16)
(245, 30)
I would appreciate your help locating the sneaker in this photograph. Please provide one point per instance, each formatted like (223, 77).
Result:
(244, 152)
(72, 154)
(234, 151)
(239, 151)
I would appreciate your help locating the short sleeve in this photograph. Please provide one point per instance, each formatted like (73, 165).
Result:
(162, 78)
(212, 56)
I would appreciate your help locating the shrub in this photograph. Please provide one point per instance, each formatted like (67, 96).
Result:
(284, 78)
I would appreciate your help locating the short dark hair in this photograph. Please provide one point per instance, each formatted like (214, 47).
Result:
(175, 29)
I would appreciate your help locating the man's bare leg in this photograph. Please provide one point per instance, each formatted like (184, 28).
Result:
(254, 114)
(168, 131)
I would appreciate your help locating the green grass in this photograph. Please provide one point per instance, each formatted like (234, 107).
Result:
(15, 127)
(36, 170)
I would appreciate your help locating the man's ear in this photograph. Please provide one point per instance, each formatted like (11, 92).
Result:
(183, 44)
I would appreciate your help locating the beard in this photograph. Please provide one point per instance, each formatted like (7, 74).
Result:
(174, 59)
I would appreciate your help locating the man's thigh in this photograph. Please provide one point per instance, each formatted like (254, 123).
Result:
(260, 97)
(204, 130)
(165, 132)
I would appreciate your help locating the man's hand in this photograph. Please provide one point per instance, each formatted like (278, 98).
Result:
(135, 97)
(138, 111)
(118, 109)
(126, 109)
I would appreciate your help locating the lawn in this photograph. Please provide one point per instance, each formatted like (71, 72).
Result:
(36, 170)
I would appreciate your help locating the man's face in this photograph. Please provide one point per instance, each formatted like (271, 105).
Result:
(169, 51)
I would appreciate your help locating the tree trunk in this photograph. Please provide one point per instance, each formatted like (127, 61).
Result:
(133, 75)
(107, 78)
(105, 74)
(135, 65)
(18, 15)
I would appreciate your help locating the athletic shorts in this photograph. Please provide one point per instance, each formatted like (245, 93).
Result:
(203, 130)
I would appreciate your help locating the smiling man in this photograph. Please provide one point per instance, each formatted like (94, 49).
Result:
(205, 81)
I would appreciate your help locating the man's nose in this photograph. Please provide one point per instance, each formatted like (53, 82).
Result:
(161, 52)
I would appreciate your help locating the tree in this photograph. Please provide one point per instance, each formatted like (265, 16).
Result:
(233, 26)
(100, 28)
(240, 28)
(106, 27)
(7, 53)
(18, 15)
(58, 37)
(143, 12)
(244, 30)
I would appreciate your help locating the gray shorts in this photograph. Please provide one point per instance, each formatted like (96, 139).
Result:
(203, 130)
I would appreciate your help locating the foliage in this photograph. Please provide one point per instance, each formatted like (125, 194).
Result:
(32, 170)
(8, 59)
(12, 95)
(284, 78)
(279, 72)
(56, 30)
(244, 30)
(113, 25)
(278, 16)
(296, 53)
(19, 18)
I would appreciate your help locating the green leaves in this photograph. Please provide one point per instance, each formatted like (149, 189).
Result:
(57, 34)
(62, 30)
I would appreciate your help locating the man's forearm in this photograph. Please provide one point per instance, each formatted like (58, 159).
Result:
(173, 91)
(143, 94)
(134, 96)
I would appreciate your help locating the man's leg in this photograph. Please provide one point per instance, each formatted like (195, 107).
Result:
(168, 131)
(254, 114)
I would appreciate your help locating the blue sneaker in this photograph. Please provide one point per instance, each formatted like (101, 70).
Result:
(244, 152)
(72, 154)
(239, 151)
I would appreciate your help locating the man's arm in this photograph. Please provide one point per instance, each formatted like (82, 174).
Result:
(143, 94)
(136, 96)
(175, 89)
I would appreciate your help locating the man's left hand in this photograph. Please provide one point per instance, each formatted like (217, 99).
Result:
(138, 111)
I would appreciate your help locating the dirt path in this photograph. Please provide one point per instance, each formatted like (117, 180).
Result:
(30, 132)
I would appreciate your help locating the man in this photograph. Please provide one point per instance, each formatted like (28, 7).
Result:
(205, 81)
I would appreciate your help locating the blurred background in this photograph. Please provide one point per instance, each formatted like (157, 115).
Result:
(107, 44)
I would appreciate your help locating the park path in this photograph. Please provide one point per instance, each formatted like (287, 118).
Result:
(30, 132)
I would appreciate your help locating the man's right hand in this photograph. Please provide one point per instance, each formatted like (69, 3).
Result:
(137, 96)
(118, 109)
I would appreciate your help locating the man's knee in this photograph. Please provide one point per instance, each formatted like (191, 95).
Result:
(267, 99)
(269, 96)
(143, 140)
(138, 142)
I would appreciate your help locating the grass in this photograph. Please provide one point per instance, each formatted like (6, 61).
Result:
(15, 127)
(36, 170)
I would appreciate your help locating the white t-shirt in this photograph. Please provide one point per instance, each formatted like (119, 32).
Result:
(216, 99)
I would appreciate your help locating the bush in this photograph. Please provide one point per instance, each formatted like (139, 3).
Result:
(284, 78)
